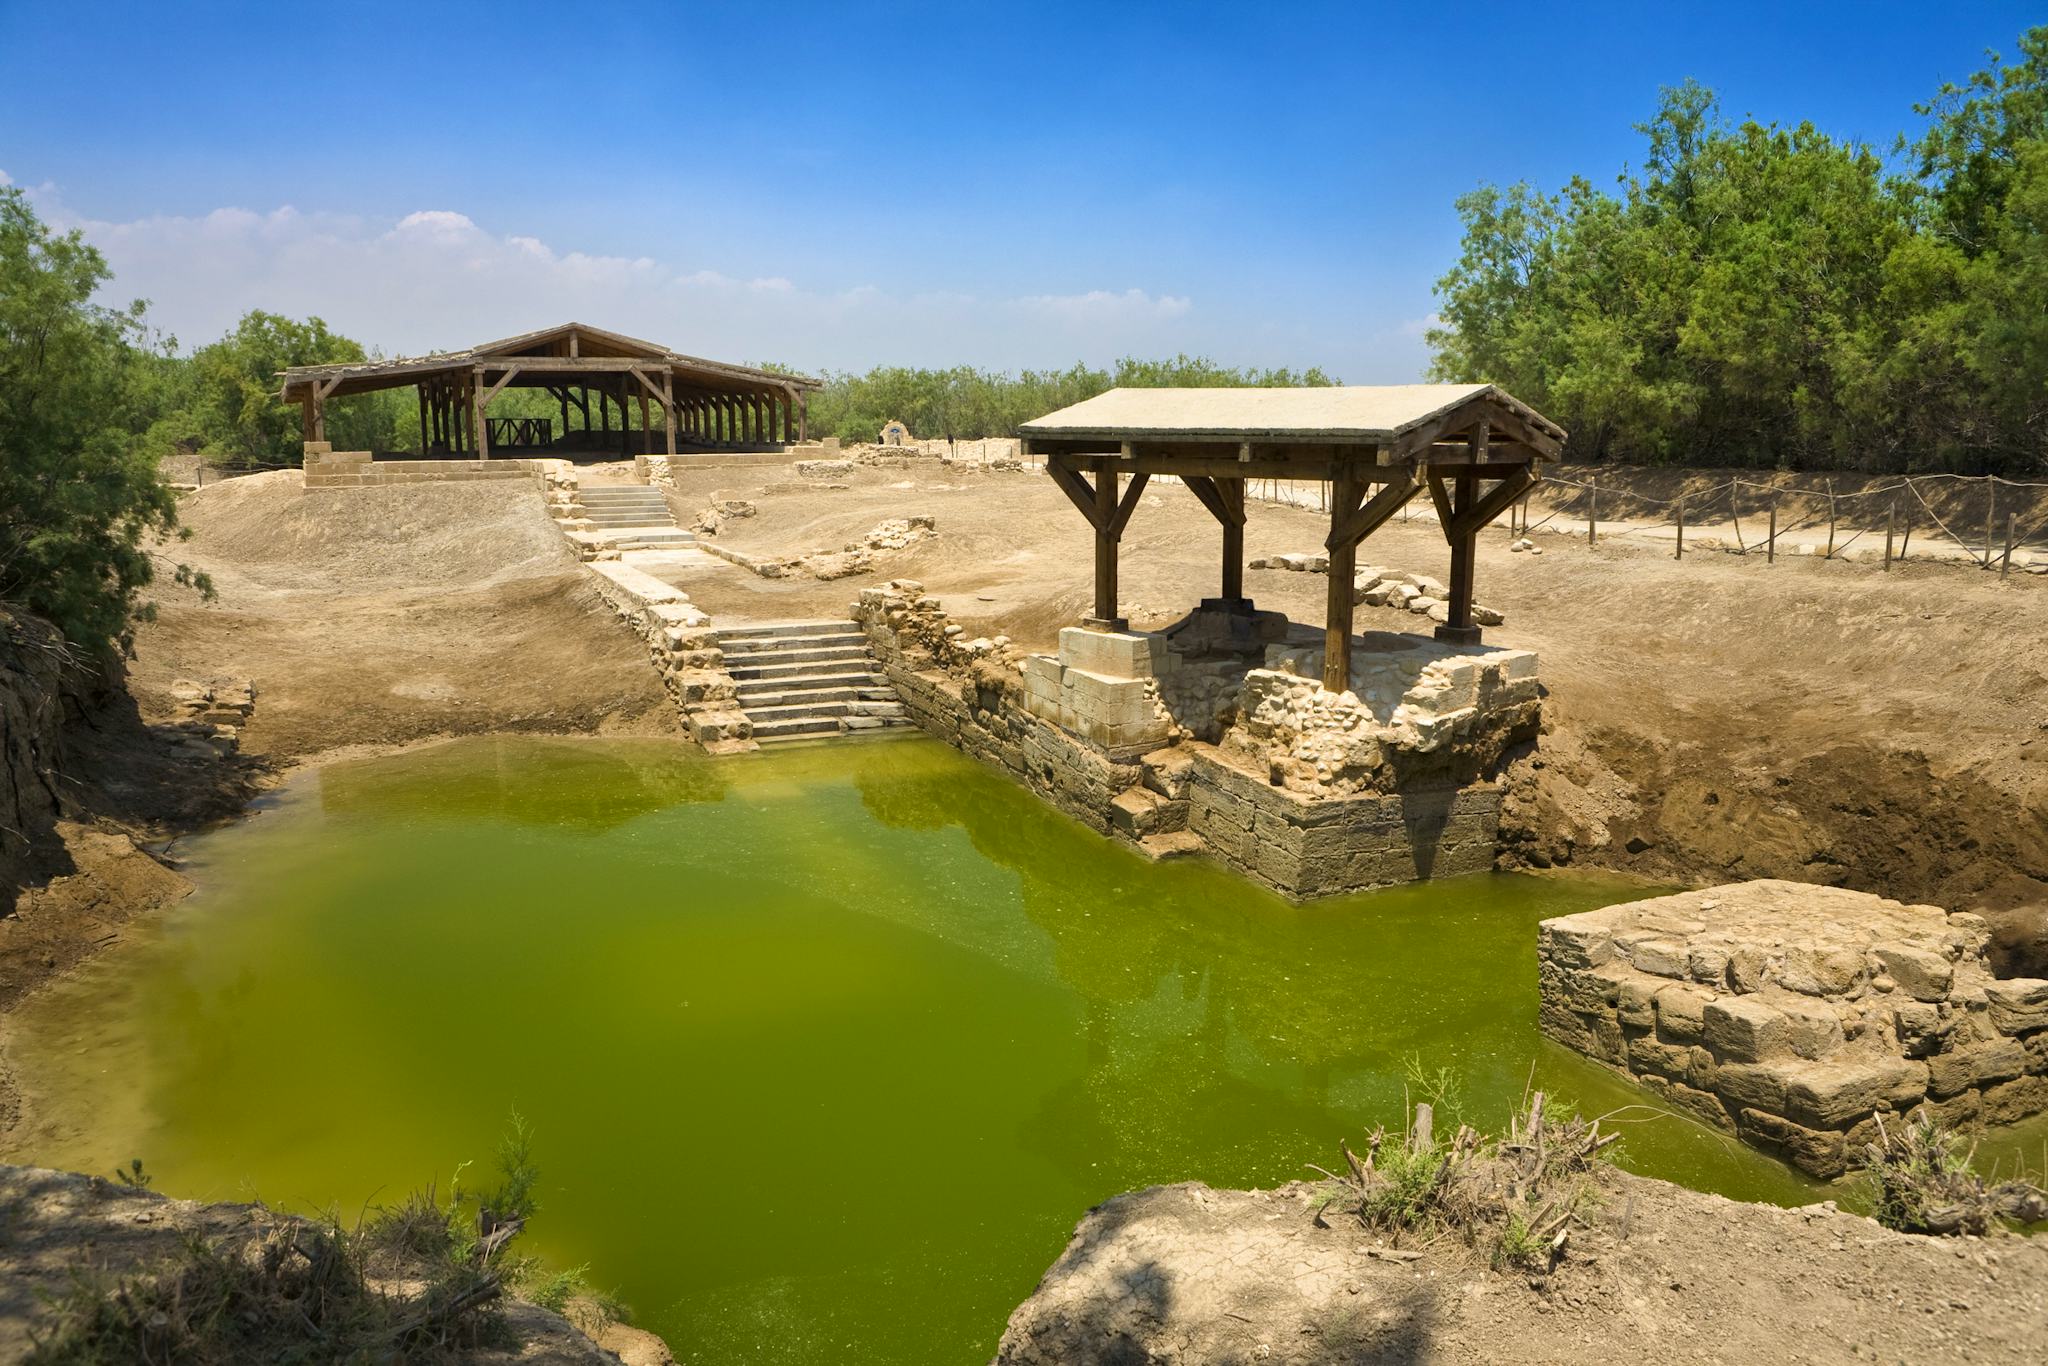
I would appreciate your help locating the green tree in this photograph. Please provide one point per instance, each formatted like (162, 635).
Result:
(81, 504)
(232, 405)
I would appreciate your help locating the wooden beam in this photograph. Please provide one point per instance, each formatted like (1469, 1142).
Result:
(1077, 489)
(1359, 522)
(1127, 505)
(1497, 500)
(1204, 488)
(1105, 551)
(668, 408)
(1339, 607)
(492, 392)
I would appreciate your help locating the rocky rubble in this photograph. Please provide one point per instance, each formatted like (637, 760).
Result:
(1375, 587)
(211, 715)
(855, 557)
(1797, 1016)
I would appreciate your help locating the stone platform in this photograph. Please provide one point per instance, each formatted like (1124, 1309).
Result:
(1794, 1015)
(1215, 736)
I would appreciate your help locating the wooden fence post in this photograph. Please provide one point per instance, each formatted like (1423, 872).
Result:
(1990, 511)
(2005, 566)
(1681, 530)
(1592, 509)
(1831, 519)
(1771, 540)
(1891, 519)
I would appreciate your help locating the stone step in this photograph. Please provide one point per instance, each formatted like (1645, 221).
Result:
(610, 519)
(769, 664)
(754, 629)
(666, 535)
(798, 710)
(765, 645)
(852, 666)
(810, 682)
(767, 732)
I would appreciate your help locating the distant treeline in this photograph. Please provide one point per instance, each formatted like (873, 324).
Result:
(1753, 295)
(968, 404)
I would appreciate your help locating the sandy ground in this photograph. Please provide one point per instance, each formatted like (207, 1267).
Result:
(1710, 719)
(1185, 1274)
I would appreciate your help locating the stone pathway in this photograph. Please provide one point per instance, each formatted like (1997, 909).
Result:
(808, 679)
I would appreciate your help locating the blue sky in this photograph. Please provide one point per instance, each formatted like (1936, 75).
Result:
(838, 186)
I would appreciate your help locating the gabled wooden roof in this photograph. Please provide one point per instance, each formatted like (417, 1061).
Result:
(577, 349)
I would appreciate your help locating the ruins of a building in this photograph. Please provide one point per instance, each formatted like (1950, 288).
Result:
(1314, 761)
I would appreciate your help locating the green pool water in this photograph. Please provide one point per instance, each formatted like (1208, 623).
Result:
(825, 1050)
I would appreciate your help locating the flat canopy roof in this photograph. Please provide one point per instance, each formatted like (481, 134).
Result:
(1364, 413)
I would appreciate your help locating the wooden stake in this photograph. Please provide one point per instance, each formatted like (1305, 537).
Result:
(1592, 508)
(1771, 538)
(1891, 520)
(2005, 566)
(1990, 512)
(1681, 531)
(1831, 519)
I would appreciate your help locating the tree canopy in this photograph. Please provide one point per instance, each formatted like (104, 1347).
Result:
(1755, 295)
(81, 504)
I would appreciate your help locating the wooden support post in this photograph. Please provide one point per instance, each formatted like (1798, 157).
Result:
(1891, 522)
(803, 416)
(563, 395)
(1339, 607)
(1105, 551)
(668, 407)
(2005, 565)
(423, 418)
(1232, 493)
(1464, 539)
(1680, 506)
(477, 401)
(1990, 511)
(1771, 537)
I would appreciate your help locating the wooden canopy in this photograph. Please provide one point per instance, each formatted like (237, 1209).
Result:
(1473, 446)
(705, 403)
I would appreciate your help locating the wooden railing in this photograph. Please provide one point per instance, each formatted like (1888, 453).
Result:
(520, 431)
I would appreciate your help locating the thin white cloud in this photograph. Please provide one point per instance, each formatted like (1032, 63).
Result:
(436, 278)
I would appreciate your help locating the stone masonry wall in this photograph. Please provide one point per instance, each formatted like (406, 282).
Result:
(1103, 746)
(327, 468)
(1794, 1016)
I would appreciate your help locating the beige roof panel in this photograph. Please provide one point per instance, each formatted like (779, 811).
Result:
(1365, 412)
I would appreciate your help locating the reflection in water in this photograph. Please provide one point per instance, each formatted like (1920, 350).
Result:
(825, 1046)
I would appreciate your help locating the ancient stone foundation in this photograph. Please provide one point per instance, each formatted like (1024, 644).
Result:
(327, 468)
(1797, 1016)
(1215, 737)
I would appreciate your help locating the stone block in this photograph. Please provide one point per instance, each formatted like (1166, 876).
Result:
(2018, 1005)
(1113, 654)
(1575, 941)
(1818, 1154)
(1661, 957)
(1746, 1029)
(1680, 1013)
(1918, 1027)
(1821, 970)
(2012, 1101)
(1815, 1027)
(1759, 1086)
(1977, 1064)
(1921, 973)
(1837, 1093)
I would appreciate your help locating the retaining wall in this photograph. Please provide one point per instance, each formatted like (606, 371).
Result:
(1107, 750)
(1797, 1016)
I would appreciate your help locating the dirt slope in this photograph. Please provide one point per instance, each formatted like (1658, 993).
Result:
(391, 615)
(1185, 1274)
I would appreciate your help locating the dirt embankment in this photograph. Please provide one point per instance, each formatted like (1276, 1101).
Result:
(364, 619)
(1709, 719)
(1187, 1274)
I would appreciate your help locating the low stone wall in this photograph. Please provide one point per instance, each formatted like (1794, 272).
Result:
(1794, 1016)
(1093, 731)
(327, 468)
(684, 646)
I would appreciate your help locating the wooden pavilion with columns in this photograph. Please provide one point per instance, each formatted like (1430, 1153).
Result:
(1473, 446)
(684, 402)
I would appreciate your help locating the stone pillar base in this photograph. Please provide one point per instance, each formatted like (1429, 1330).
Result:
(1458, 635)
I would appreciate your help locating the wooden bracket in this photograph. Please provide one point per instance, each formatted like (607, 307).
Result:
(1350, 526)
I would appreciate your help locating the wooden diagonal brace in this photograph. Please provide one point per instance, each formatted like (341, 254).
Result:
(492, 392)
(1356, 525)
(1129, 504)
(648, 385)
(1495, 502)
(1076, 487)
(1225, 499)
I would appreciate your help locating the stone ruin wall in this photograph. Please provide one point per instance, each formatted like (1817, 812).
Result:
(1799, 1017)
(1145, 736)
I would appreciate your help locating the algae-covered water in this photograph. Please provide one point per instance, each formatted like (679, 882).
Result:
(825, 1050)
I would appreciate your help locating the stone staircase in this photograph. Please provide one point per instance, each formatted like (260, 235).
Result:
(807, 679)
(632, 517)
